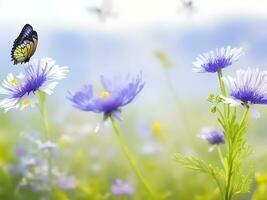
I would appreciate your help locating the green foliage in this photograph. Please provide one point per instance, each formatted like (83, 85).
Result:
(212, 98)
(199, 165)
(231, 178)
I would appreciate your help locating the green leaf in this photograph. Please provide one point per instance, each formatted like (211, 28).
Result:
(213, 109)
(193, 163)
(200, 166)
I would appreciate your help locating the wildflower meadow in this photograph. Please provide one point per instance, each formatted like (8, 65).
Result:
(141, 100)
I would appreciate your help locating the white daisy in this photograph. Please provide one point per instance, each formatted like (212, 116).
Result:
(40, 75)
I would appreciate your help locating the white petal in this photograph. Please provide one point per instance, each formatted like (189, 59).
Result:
(232, 102)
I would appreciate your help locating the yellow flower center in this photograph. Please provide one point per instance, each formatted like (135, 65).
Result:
(13, 81)
(26, 102)
(156, 128)
(104, 94)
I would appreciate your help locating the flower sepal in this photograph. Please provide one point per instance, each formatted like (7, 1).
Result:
(116, 114)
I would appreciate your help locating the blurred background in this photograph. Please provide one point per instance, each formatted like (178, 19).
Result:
(161, 38)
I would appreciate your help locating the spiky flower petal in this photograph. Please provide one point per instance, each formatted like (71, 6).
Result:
(212, 62)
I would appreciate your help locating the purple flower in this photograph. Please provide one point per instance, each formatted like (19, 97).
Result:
(121, 188)
(66, 183)
(117, 93)
(214, 61)
(249, 86)
(47, 145)
(214, 137)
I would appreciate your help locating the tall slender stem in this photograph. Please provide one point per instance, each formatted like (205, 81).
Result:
(42, 98)
(131, 160)
(228, 170)
(228, 193)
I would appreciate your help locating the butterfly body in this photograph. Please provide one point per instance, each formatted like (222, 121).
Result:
(25, 45)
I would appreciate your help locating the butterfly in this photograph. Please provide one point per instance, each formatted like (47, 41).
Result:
(104, 11)
(188, 6)
(25, 45)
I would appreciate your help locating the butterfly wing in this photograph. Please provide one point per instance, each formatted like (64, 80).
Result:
(25, 45)
(32, 44)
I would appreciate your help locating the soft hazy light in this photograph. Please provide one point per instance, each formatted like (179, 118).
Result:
(131, 13)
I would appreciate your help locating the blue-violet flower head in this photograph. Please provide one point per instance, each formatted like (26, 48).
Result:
(214, 137)
(249, 86)
(212, 62)
(117, 93)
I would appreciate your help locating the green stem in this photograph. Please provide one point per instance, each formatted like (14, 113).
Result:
(222, 86)
(229, 168)
(226, 108)
(131, 160)
(228, 194)
(229, 179)
(42, 98)
(245, 115)
(221, 156)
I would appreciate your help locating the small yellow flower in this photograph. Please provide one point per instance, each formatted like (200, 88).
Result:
(157, 132)
(261, 178)
(156, 128)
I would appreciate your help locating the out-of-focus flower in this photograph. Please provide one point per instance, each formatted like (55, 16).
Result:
(261, 178)
(214, 61)
(151, 147)
(261, 189)
(47, 145)
(117, 93)
(66, 183)
(121, 188)
(96, 168)
(157, 131)
(214, 137)
(65, 141)
(33, 166)
(156, 128)
(41, 75)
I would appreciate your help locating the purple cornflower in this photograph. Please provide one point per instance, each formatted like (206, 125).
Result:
(66, 183)
(214, 61)
(121, 188)
(117, 93)
(214, 137)
(249, 86)
(40, 75)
